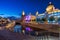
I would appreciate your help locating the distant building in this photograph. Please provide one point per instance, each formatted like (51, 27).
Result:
(30, 18)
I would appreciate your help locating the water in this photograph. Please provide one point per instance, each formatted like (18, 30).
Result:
(18, 29)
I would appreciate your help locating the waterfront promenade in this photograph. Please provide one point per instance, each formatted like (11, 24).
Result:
(7, 35)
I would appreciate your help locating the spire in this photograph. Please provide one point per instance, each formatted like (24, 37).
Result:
(50, 3)
(23, 13)
(37, 13)
(50, 8)
(30, 13)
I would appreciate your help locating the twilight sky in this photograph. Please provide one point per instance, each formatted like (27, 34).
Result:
(15, 7)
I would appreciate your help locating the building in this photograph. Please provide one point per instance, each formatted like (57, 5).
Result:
(52, 15)
(23, 16)
(30, 18)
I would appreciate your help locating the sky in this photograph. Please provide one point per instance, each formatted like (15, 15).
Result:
(15, 7)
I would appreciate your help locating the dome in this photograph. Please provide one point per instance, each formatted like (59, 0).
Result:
(50, 7)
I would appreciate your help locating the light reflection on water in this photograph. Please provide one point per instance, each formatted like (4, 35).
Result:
(17, 28)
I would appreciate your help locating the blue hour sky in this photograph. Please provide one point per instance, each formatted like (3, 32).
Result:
(15, 7)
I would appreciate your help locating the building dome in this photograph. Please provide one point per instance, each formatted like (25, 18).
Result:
(50, 8)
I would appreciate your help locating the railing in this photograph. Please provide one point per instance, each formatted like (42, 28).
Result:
(48, 27)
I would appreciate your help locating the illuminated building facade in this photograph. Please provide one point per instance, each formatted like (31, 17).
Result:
(30, 18)
(51, 15)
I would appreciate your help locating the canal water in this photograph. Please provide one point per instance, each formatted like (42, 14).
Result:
(29, 31)
(18, 28)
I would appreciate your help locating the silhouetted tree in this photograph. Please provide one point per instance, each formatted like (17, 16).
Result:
(44, 19)
(51, 18)
(38, 19)
(58, 19)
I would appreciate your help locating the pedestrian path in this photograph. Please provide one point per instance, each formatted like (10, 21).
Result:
(19, 36)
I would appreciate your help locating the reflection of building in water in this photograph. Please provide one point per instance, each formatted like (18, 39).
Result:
(28, 29)
(17, 28)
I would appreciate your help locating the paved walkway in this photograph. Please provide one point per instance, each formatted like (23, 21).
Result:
(7, 35)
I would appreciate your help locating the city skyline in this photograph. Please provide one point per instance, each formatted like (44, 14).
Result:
(15, 7)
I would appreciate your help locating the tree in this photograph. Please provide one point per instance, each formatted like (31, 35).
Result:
(58, 19)
(44, 19)
(51, 18)
(41, 20)
(38, 19)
